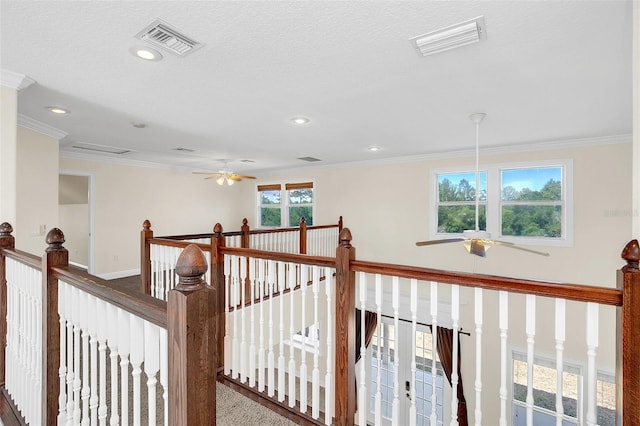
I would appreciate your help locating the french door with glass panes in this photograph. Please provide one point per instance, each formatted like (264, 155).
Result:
(390, 347)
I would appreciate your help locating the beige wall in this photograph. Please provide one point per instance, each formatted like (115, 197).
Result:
(8, 114)
(37, 189)
(74, 220)
(176, 202)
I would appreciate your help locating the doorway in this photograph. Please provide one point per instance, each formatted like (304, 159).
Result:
(75, 215)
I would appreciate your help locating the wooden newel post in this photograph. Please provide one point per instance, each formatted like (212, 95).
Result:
(345, 392)
(190, 325)
(218, 284)
(303, 235)
(244, 237)
(55, 256)
(7, 241)
(145, 257)
(628, 341)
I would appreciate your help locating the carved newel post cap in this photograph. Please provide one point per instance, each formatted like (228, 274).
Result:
(345, 237)
(303, 220)
(5, 229)
(217, 228)
(190, 267)
(245, 221)
(55, 239)
(631, 254)
(146, 225)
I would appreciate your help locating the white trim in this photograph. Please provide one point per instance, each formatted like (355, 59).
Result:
(40, 127)
(119, 274)
(15, 80)
(494, 198)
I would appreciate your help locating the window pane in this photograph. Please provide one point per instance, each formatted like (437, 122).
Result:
(301, 196)
(532, 184)
(461, 187)
(269, 216)
(270, 197)
(455, 219)
(297, 213)
(532, 221)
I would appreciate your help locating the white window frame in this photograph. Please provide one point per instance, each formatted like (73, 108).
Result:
(284, 205)
(494, 202)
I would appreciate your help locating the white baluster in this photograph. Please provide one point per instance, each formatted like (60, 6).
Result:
(252, 344)
(504, 327)
(455, 317)
(86, 391)
(413, 415)
(396, 356)
(124, 347)
(434, 346)
(92, 306)
(151, 365)
(304, 280)
(260, 282)
(478, 383)
(592, 372)
(362, 392)
(235, 355)
(62, 371)
(112, 336)
(70, 354)
(243, 309)
(227, 294)
(560, 336)
(164, 373)
(78, 303)
(281, 288)
(328, 378)
(292, 363)
(270, 356)
(101, 313)
(378, 400)
(531, 332)
(137, 355)
(315, 374)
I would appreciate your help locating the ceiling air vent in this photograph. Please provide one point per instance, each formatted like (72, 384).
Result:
(161, 35)
(309, 159)
(183, 149)
(100, 149)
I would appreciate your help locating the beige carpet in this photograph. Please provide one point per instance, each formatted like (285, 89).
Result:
(234, 409)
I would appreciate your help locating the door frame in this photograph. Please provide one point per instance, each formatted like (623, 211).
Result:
(91, 202)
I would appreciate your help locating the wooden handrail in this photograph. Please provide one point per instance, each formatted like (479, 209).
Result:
(576, 292)
(175, 243)
(130, 299)
(23, 257)
(284, 257)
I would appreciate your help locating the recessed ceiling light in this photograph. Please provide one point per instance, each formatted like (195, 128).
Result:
(300, 120)
(146, 53)
(374, 148)
(58, 110)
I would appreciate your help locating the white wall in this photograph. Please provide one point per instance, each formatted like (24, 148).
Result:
(176, 202)
(8, 114)
(37, 189)
(74, 220)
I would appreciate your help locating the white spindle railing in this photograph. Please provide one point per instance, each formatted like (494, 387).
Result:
(322, 241)
(91, 327)
(283, 296)
(282, 241)
(163, 273)
(23, 360)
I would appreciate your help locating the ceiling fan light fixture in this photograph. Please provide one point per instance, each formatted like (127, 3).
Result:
(220, 180)
(451, 37)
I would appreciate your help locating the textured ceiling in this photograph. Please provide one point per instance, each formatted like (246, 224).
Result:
(548, 71)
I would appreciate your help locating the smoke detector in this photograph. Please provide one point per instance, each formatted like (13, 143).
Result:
(162, 35)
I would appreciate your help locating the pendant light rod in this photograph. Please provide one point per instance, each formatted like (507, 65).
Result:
(477, 118)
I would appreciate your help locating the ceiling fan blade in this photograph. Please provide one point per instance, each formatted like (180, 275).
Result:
(476, 246)
(240, 177)
(513, 246)
(433, 242)
(204, 173)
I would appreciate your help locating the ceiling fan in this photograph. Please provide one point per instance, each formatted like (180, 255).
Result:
(224, 175)
(476, 241)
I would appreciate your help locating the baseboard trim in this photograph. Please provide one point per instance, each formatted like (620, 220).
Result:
(118, 274)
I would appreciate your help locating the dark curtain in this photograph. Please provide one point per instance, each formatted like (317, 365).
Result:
(445, 349)
(370, 324)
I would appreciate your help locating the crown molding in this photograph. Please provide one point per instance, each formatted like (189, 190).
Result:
(14, 80)
(494, 150)
(98, 158)
(40, 127)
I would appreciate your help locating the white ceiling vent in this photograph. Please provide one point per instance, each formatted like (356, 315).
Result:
(97, 149)
(162, 35)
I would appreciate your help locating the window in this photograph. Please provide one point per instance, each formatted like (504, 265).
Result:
(522, 203)
(545, 391)
(294, 199)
